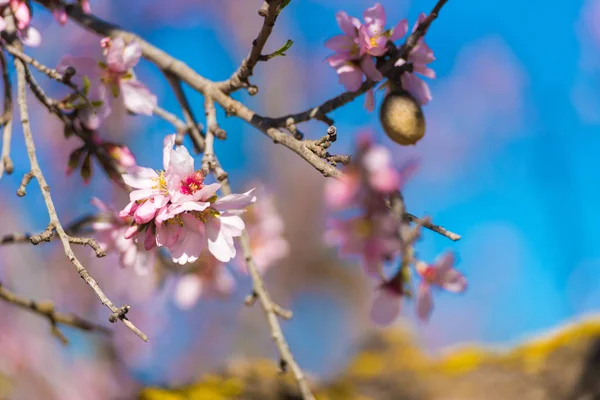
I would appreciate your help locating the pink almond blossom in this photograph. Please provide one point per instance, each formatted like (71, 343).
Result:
(179, 211)
(104, 81)
(441, 274)
(110, 233)
(373, 36)
(375, 238)
(420, 56)
(118, 75)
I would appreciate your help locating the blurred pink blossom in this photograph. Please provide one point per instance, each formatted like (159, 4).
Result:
(103, 81)
(211, 279)
(28, 34)
(265, 227)
(420, 56)
(441, 274)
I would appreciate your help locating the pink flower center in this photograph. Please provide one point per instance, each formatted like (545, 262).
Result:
(192, 183)
(428, 273)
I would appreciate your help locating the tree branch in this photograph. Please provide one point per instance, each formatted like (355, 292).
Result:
(6, 164)
(46, 309)
(45, 189)
(239, 79)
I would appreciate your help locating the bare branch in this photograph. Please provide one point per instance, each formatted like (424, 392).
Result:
(272, 310)
(239, 79)
(45, 189)
(46, 309)
(436, 228)
(192, 126)
(6, 164)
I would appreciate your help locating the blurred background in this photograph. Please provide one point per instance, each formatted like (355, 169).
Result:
(507, 162)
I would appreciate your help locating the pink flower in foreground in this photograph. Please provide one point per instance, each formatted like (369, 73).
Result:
(266, 227)
(441, 274)
(420, 56)
(211, 280)
(110, 233)
(178, 211)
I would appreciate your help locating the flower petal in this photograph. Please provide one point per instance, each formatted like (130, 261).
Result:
(137, 97)
(385, 307)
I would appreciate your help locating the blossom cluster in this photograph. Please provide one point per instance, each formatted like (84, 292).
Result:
(22, 14)
(175, 209)
(361, 43)
(369, 229)
(109, 80)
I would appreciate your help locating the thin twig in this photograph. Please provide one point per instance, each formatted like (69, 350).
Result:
(45, 189)
(436, 228)
(46, 309)
(192, 125)
(271, 309)
(6, 164)
(239, 79)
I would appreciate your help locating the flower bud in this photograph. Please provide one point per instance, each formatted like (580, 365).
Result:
(402, 118)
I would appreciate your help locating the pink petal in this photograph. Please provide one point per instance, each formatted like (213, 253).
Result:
(188, 291)
(114, 55)
(30, 36)
(385, 180)
(181, 164)
(131, 231)
(137, 97)
(347, 24)
(149, 239)
(60, 15)
(145, 213)
(219, 243)
(368, 66)
(340, 43)
(375, 16)
(385, 307)
(168, 144)
(235, 201)
(132, 54)
(399, 30)
(168, 234)
(416, 87)
(423, 70)
(424, 302)
(350, 76)
(140, 177)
